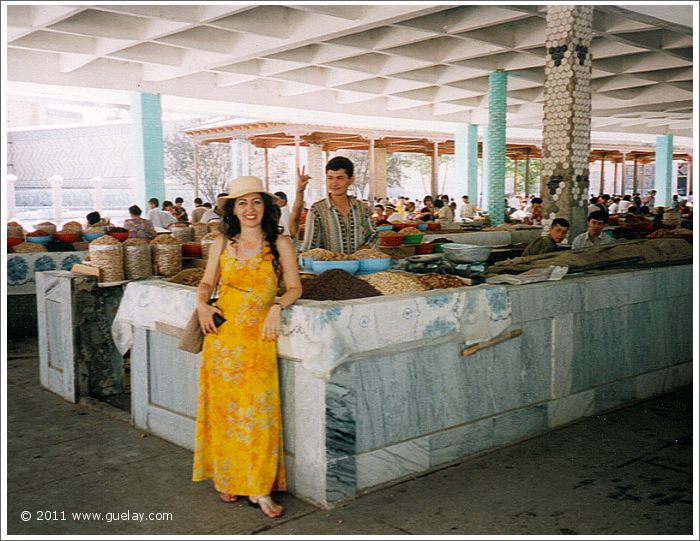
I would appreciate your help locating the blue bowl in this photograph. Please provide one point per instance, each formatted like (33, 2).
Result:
(305, 262)
(385, 227)
(368, 266)
(39, 240)
(351, 266)
(422, 227)
(92, 236)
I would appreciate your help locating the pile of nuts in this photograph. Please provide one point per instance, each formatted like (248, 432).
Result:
(410, 231)
(391, 233)
(188, 277)
(29, 247)
(369, 253)
(393, 283)
(319, 254)
(440, 281)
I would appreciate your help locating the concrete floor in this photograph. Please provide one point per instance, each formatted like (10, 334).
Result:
(629, 472)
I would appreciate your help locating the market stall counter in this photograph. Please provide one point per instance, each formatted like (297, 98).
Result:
(378, 390)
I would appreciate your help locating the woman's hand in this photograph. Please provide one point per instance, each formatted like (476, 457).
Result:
(205, 313)
(271, 325)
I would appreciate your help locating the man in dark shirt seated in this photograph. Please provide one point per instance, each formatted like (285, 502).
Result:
(549, 243)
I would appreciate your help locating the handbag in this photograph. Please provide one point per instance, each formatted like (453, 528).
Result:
(192, 337)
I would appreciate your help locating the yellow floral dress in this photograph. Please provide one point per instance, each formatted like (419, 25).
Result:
(238, 438)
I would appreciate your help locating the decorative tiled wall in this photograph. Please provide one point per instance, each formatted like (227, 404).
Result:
(498, 88)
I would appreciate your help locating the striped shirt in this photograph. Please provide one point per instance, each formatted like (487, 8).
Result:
(326, 227)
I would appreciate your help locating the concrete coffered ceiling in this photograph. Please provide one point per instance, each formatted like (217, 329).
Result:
(427, 62)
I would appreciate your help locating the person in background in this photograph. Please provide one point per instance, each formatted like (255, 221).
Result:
(392, 215)
(550, 242)
(468, 210)
(444, 213)
(198, 210)
(139, 228)
(675, 203)
(283, 205)
(536, 210)
(649, 199)
(238, 435)
(379, 215)
(213, 214)
(339, 223)
(594, 235)
(160, 218)
(401, 207)
(410, 214)
(297, 216)
(179, 211)
(614, 207)
(624, 204)
(95, 220)
(453, 208)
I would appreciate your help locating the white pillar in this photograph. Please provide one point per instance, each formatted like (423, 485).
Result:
(380, 176)
(56, 182)
(315, 168)
(11, 202)
(434, 172)
(98, 183)
(373, 192)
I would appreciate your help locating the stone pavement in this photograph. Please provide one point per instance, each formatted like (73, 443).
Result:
(629, 472)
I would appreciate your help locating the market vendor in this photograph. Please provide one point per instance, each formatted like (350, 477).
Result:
(593, 236)
(549, 243)
(139, 228)
(339, 223)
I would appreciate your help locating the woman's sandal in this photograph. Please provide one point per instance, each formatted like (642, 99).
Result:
(228, 498)
(266, 505)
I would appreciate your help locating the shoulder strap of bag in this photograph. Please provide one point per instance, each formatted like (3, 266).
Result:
(217, 274)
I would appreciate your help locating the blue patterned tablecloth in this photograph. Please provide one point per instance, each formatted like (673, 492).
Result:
(21, 268)
(324, 335)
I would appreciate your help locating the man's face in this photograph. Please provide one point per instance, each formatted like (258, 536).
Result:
(338, 182)
(558, 233)
(595, 227)
(281, 202)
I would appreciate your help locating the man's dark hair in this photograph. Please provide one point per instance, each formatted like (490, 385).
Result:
(154, 201)
(561, 222)
(593, 200)
(167, 204)
(179, 200)
(627, 197)
(207, 205)
(439, 203)
(197, 200)
(465, 197)
(597, 215)
(135, 210)
(537, 201)
(93, 217)
(281, 195)
(606, 197)
(341, 162)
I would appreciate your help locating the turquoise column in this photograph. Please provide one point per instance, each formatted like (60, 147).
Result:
(148, 148)
(483, 203)
(663, 170)
(498, 87)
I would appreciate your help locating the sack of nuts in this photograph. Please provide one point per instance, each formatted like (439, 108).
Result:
(107, 253)
(166, 253)
(207, 241)
(199, 230)
(137, 259)
(182, 233)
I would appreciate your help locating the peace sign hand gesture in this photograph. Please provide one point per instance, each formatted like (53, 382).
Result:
(302, 180)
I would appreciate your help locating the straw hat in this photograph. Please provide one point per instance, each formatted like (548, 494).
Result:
(241, 186)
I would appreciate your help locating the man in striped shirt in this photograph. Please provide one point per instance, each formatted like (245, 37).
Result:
(339, 223)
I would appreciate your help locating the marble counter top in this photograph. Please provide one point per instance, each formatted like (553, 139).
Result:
(324, 335)
(21, 268)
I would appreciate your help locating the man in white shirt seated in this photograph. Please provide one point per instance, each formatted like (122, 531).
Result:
(283, 204)
(594, 235)
(160, 218)
(213, 214)
(467, 210)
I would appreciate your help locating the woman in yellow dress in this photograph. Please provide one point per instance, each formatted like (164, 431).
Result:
(238, 439)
